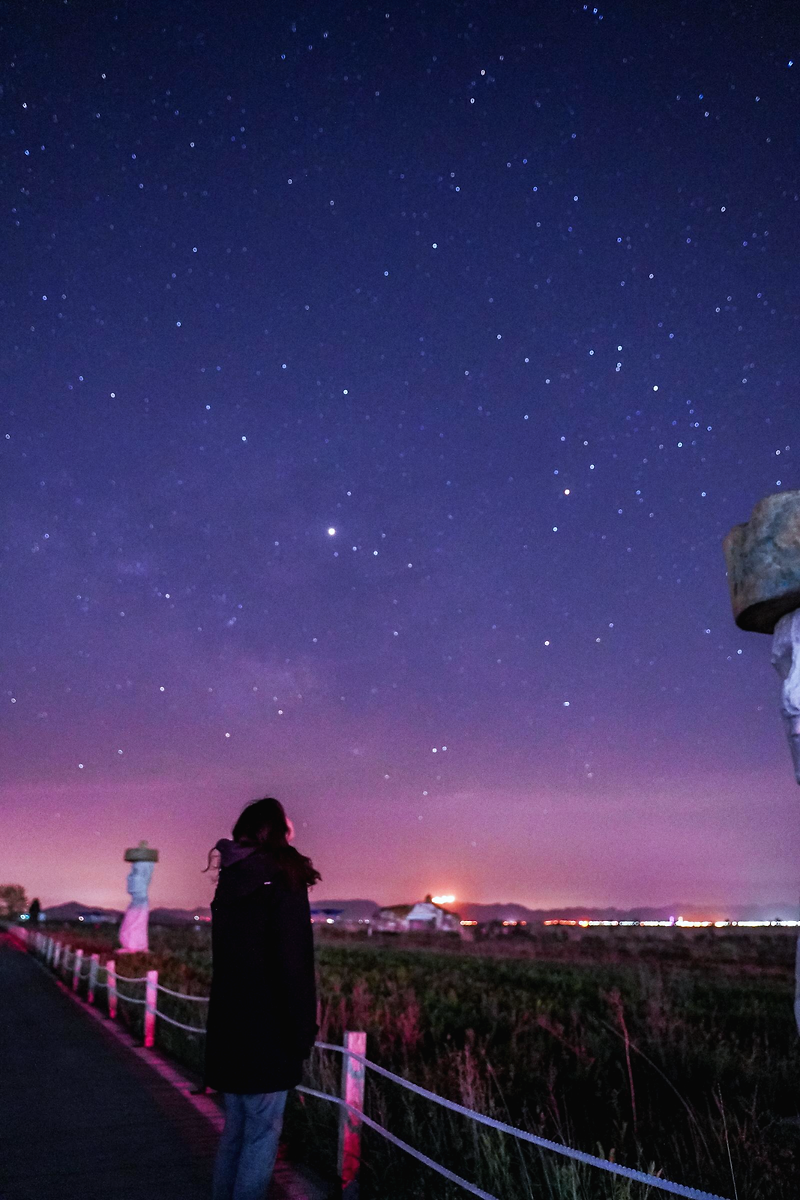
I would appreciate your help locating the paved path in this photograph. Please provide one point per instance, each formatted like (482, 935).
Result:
(81, 1116)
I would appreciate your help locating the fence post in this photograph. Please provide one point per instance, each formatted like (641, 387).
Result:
(50, 949)
(65, 957)
(349, 1122)
(57, 956)
(77, 963)
(94, 962)
(150, 1008)
(111, 981)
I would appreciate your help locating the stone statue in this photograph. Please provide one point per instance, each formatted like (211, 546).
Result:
(133, 930)
(763, 558)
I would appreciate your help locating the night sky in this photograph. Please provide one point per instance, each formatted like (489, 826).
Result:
(377, 385)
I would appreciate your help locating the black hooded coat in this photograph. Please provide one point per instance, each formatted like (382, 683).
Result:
(262, 1012)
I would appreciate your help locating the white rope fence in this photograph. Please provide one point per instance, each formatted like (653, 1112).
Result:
(358, 1116)
(183, 995)
(677, 1189)
(178, 1024)
(64, 960)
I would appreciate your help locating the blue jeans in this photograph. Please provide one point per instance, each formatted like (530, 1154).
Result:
(248, 1146)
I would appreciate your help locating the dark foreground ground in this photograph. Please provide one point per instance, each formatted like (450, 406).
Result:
(81, 1117)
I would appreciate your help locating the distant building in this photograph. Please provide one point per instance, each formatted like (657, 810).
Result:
(422, 917)
(393, 918)
(425, 915)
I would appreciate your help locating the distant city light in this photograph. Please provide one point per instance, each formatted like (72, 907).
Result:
(443, 899)
(678, 923)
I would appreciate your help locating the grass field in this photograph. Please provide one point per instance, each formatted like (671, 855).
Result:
(678, 1055)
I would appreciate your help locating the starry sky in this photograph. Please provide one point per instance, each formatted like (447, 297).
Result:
(376, 387)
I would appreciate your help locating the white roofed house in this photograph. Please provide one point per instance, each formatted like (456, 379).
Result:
(425, 915)
(422, 917)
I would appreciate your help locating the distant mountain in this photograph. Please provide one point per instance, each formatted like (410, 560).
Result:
(177, 916)
(72, 910)
(494, 912)
(359, 910)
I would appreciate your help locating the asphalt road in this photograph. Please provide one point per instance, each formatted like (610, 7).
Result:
(81, 1117)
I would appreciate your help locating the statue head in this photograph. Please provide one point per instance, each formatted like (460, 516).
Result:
(139, 878)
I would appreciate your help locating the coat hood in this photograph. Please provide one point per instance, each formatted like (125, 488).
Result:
(231, 852)
(243, 870)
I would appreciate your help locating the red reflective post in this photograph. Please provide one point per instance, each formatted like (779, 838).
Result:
(94, 962)
(111, 982)
(350, 1122)
(150, 1005)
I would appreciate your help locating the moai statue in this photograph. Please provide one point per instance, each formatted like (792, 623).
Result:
(763, 558)
(133, 930)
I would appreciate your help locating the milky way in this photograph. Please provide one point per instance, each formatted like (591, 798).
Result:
(377, 388)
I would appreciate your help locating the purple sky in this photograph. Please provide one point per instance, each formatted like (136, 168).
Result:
(506, 296)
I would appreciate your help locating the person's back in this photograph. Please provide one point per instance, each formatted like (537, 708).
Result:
(262, 1012)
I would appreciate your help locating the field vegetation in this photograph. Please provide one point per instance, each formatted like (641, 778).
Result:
(675, 1054)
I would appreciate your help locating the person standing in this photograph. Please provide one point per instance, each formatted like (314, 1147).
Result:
(262, 1014)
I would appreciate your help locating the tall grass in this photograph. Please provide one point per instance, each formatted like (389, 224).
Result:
(690, 1072)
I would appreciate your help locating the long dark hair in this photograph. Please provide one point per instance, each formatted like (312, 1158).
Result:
(264, 824)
